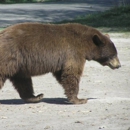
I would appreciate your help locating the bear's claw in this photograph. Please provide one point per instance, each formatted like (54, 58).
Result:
(78, 101)
(34, 99)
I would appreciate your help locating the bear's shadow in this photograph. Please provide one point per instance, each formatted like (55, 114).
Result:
(45, 100)
(60, 101)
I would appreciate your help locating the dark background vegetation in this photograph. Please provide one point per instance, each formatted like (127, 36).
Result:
(115, 19)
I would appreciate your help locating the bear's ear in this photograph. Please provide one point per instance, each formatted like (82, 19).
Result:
(107, 35)
(97, 41)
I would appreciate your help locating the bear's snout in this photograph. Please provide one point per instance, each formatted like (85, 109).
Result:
(114, 63)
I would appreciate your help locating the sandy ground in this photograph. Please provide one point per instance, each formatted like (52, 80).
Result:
(108, 91)
(108, 107)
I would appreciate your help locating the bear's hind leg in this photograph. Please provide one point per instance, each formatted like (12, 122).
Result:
(70, 83)
(25, 89)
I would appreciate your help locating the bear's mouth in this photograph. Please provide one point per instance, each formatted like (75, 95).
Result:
(113, 63)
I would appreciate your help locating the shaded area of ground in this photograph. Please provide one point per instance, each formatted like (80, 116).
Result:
(49, 12)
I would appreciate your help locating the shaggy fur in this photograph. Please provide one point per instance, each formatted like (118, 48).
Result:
(32, 49)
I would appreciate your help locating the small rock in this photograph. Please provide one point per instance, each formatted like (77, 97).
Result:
(78, 122)
(101, 127)
(3, 117)
(47, 127)
(129, 128)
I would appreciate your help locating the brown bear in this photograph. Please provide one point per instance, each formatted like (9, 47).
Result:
(31, 49)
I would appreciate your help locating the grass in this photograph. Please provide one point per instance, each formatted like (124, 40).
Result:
(1, 29)
(115, 19)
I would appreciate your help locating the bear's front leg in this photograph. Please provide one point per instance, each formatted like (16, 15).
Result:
(70, 82)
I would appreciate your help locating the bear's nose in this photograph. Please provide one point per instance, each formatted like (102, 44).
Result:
(114, 63)
(119, 66)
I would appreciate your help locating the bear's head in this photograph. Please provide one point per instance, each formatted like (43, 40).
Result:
(106, 53)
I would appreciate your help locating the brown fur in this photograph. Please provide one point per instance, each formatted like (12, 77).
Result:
(32, 49)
